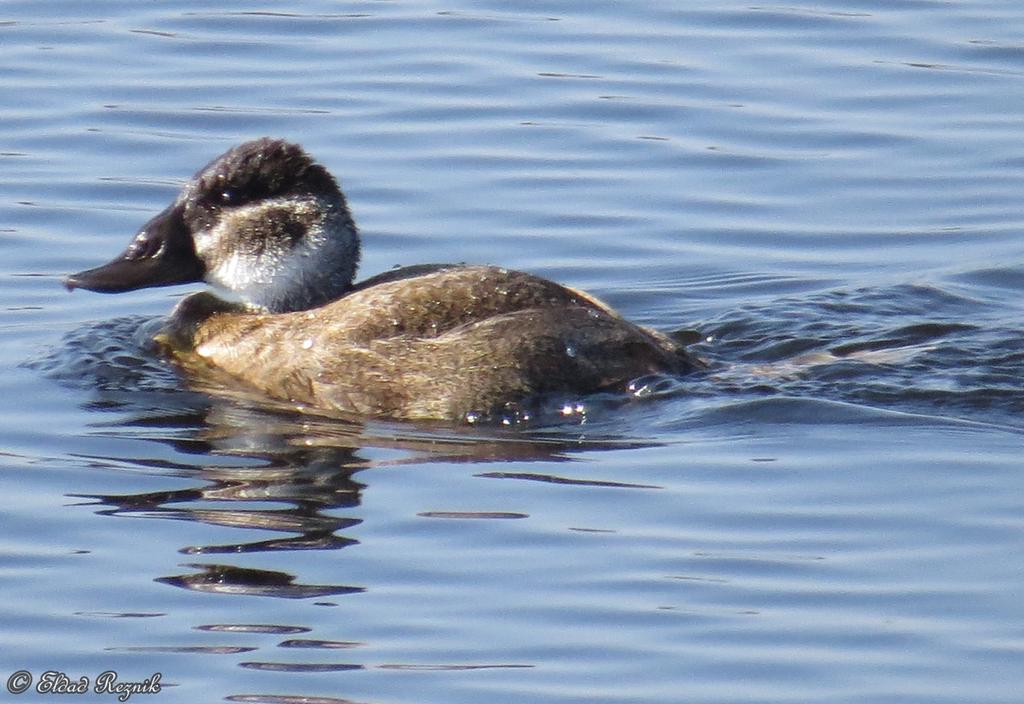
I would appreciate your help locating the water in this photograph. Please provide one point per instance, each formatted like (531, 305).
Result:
(827, 192)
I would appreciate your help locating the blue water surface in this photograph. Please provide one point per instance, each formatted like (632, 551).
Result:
(829, 193)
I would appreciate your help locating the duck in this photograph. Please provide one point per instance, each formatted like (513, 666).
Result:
(269, 230)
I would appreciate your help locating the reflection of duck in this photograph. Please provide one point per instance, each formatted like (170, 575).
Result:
(270, 225)
(291, 483)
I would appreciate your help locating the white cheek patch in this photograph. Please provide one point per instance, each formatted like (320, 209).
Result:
(262, 282)
(239, 271)
(266, 279)
(273, 272)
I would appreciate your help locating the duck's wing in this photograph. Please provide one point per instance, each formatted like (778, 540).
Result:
(428, 301)
(401, 273)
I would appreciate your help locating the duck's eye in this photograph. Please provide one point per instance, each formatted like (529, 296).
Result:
(229, 196)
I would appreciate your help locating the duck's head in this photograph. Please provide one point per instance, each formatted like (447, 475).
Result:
(263, 221)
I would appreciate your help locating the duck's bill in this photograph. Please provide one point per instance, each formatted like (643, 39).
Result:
(123, 274)
(161, 254)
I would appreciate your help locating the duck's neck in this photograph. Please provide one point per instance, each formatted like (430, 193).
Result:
(317, 292)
